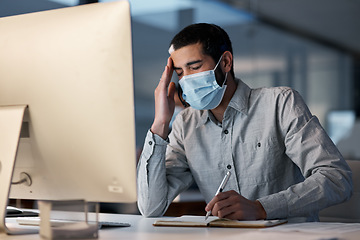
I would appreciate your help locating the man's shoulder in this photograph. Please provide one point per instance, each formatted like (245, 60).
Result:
(272, 91)
(270, 97)
(270, 94)
(264, 92)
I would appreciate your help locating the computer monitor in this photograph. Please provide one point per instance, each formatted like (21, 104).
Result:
(72, 67)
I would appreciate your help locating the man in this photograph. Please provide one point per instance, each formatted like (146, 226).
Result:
(282, 163)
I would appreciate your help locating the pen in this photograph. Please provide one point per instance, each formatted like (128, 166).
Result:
(220, 189)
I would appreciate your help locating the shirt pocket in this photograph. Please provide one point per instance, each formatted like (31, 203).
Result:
(261, 160)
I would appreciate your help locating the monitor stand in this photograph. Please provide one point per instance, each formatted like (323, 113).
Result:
(11, 118)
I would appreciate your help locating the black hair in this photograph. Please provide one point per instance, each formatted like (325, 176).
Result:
(214, 40)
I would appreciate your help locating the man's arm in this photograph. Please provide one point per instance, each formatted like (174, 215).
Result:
(151, 177)
(159, 180)
(151, 166)
(327, 176)
(156, 187)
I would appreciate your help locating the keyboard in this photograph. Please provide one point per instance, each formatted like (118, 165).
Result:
(16, 212)
(35, 221)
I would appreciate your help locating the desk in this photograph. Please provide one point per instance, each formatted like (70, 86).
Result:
(142, 229)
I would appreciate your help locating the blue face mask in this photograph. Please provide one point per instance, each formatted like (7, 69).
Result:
(201, 90)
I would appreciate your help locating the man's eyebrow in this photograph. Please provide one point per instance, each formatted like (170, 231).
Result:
(188, 64)
(193, 62)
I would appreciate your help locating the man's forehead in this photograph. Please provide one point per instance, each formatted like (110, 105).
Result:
(186, 55)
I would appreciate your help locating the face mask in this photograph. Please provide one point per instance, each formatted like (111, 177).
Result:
(201, 90)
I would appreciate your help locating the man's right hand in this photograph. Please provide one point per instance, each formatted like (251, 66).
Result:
(164, 102)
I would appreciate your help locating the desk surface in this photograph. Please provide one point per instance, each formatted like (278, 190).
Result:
(142, 229)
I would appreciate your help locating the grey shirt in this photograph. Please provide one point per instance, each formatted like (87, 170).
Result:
(277, 152)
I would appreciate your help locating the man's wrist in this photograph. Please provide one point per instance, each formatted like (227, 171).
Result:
(161, 130)
(261, 211)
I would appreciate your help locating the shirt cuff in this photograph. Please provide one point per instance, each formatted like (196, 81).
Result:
(151, 140)
(275, 206)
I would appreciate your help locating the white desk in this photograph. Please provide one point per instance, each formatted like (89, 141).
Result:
(142, 229)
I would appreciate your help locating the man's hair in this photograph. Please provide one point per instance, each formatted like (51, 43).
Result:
(214, 40)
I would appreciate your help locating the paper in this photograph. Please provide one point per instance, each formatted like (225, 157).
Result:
(262, 235)
(317, 227)
(190, 218)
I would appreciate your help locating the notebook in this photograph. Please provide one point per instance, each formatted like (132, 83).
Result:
(199, 221)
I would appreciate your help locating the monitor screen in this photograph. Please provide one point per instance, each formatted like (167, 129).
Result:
(72, 67)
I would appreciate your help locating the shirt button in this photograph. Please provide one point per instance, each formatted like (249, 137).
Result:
(226, 131)
(150, 143)
(259, 144)
(228, 166)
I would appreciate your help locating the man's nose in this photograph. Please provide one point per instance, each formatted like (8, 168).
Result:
(186, 72)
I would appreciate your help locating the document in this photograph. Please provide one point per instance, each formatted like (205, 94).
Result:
(266, 235)
(199, 221)
(318, 227)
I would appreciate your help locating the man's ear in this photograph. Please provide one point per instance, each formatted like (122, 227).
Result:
(227, 61)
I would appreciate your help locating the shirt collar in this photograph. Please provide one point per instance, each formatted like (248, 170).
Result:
(239, 102)
(204, 117)
(240, 99)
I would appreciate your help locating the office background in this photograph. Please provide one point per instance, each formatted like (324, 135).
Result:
(311, 46)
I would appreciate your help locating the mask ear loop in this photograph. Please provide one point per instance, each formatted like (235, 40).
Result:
(180, 92)
(226, 74)
(218, 62)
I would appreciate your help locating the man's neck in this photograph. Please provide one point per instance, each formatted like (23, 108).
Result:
(219, 111)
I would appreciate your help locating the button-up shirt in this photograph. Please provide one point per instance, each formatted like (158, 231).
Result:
(276, 150)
